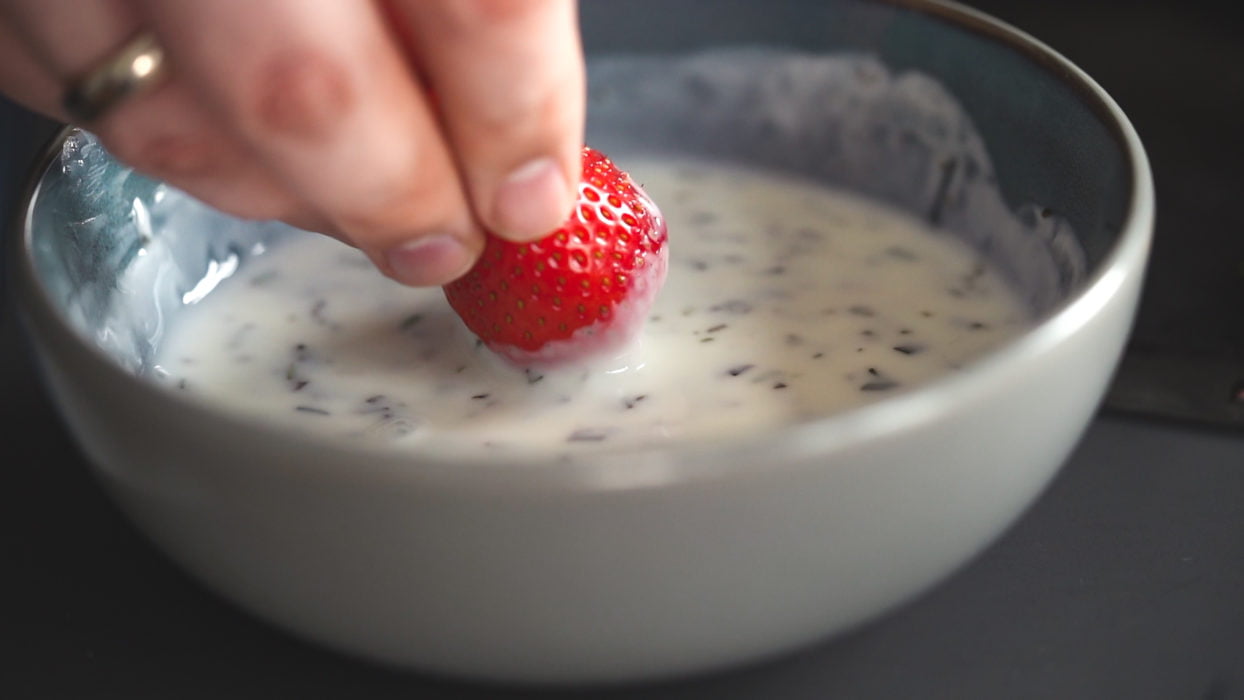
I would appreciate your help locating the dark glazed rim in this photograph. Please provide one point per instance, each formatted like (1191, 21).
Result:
(1028, 46)
(687, 460)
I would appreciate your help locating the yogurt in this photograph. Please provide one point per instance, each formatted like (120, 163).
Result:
(785, 301)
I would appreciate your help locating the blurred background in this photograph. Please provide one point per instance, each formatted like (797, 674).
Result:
(1125, 581)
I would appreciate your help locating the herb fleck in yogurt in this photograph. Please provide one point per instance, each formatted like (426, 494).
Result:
(773, 312)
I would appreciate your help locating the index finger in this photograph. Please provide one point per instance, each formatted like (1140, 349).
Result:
(322, 92)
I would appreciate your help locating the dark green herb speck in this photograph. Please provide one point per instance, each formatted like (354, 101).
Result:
(588, 435)
(732, 306)
(878, 385)
(633, 401)
(879, 382)
(263, 279)
(317, 312)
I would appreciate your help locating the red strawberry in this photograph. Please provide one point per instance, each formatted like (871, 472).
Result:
(582, 290)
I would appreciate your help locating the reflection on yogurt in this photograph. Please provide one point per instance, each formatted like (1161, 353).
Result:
(785, 301)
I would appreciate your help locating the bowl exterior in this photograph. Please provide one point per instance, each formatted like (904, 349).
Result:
(570, 584)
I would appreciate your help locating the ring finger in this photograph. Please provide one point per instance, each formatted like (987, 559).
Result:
(163, 132)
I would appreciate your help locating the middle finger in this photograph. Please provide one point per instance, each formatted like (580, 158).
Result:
(320, 89)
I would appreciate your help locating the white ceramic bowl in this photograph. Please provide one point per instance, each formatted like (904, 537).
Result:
(640, 563)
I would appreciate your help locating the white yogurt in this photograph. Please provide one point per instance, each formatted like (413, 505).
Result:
(784, 301)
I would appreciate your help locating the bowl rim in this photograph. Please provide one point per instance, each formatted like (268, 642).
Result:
(649, 466)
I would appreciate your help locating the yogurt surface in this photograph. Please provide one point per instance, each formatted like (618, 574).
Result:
(785, 301)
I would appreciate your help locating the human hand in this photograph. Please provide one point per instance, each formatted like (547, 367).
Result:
(320, 112)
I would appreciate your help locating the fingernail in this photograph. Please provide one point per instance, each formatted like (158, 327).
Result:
(532, 201)
(429, 261)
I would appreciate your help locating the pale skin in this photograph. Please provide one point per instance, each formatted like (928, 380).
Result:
(406, 128)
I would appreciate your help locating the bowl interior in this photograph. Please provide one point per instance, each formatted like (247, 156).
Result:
(924, 107)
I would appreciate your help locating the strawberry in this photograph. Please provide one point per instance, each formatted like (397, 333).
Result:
(582, 290)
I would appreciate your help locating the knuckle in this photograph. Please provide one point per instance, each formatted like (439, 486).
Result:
(472, 14)
(165, 155)
(247, 195)
(526, 115)
(245, 205)
(382, 222)
(305, 95)
(387, 214)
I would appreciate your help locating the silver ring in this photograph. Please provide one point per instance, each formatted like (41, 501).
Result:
(135, 68)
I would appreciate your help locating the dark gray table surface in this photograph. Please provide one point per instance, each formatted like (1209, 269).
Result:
(1126, 580)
